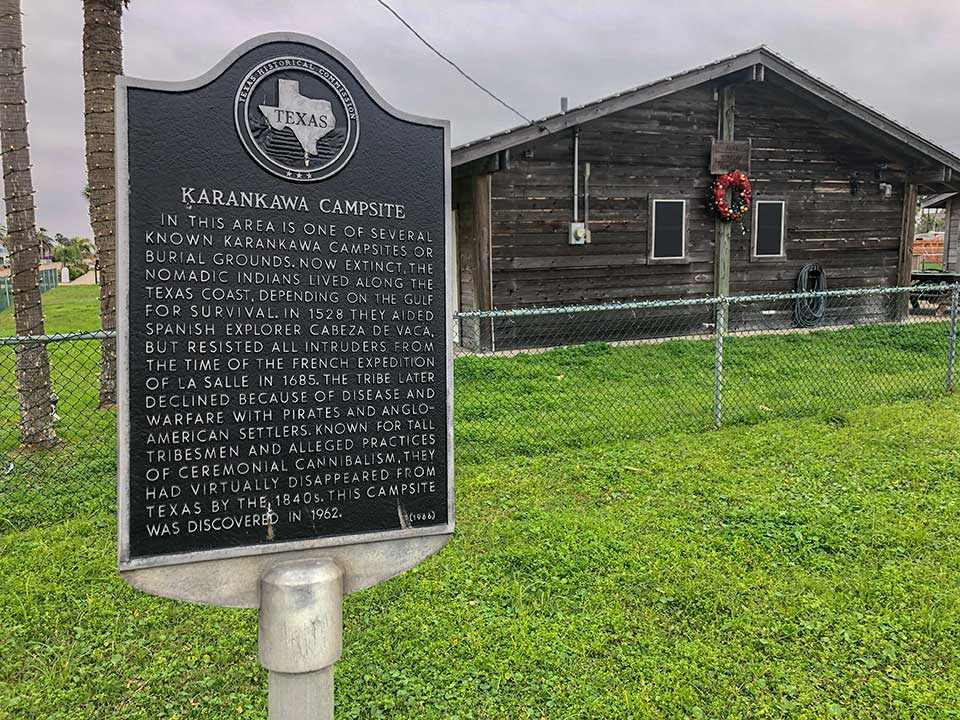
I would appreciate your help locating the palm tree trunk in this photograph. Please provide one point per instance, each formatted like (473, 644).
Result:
(102, 62)
(33, 365)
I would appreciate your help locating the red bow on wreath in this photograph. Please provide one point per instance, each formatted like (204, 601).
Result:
(739, 203)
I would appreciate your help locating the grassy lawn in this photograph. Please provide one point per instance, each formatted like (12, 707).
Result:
(599, 394)
(43, 487)
(65, 309)
(805, 568)
(613, 558)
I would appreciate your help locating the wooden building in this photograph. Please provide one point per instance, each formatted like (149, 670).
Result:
(608, 202)
(950, 203)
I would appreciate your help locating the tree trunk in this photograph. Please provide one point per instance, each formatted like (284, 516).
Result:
(102, 62)
(33, 365)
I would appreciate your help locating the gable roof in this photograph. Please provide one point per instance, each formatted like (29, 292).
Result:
(936, 201)
(750, 65)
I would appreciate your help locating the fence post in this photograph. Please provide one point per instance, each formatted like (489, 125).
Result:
(952, 347)
(723, 308)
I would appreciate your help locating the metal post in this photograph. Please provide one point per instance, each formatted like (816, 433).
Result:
(722, 310)
(301, 636)
(952, 348)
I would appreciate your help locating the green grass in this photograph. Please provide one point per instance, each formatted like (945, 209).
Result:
(65, 309)
(804, 568)
(47, 486)
(613, 558)
(598, 393)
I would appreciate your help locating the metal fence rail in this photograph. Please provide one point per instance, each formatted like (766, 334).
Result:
(540, 380)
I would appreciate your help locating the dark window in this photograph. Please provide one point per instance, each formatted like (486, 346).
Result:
(668, 228)
(769, 228)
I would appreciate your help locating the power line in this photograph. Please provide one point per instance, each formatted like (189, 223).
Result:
(452, 63)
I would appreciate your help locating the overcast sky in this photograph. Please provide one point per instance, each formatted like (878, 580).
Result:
(900, 57)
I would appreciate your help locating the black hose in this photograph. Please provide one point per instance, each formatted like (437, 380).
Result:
(809, 312)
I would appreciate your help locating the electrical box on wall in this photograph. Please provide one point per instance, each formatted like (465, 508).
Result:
(579, 234)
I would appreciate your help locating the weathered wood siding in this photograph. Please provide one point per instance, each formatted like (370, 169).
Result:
(660, 148)
(463, 204)
(466, 263)
(799, 158)
(951, 237)
(472, 203)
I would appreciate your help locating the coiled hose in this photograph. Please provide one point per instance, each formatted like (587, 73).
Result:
(809, 312)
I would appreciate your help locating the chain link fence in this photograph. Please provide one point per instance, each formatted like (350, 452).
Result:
(540, 380)
(49, 279)
(536, 380)
(51, 484)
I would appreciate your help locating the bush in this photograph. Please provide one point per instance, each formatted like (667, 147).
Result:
(73, 252)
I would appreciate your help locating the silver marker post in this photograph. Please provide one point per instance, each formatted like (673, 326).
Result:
(301, 637)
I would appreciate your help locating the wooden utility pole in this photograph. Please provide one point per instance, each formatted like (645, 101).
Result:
(907, 233)
(721, 264)
(483, 268)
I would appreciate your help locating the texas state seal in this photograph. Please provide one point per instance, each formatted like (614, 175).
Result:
(297, 119)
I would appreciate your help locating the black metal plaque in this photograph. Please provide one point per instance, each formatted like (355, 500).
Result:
(283, 342)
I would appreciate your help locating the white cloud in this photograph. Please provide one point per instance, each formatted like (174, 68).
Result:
(899, 57)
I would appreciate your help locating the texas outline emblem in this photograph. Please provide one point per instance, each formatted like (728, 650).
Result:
(309, 119)
(327, 131)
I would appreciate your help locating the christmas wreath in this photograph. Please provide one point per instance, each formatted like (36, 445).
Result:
(739, 203)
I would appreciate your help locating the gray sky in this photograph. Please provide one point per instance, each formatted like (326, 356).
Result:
(900, 57)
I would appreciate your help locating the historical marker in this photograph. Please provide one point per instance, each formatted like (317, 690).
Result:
(285, 361)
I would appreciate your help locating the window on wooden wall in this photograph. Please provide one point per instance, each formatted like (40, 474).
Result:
(668, 229)
(769, 229)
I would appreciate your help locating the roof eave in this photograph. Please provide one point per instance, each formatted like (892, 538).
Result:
(667, 86)
(858, 110)
(936, 201)
(645, 93)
